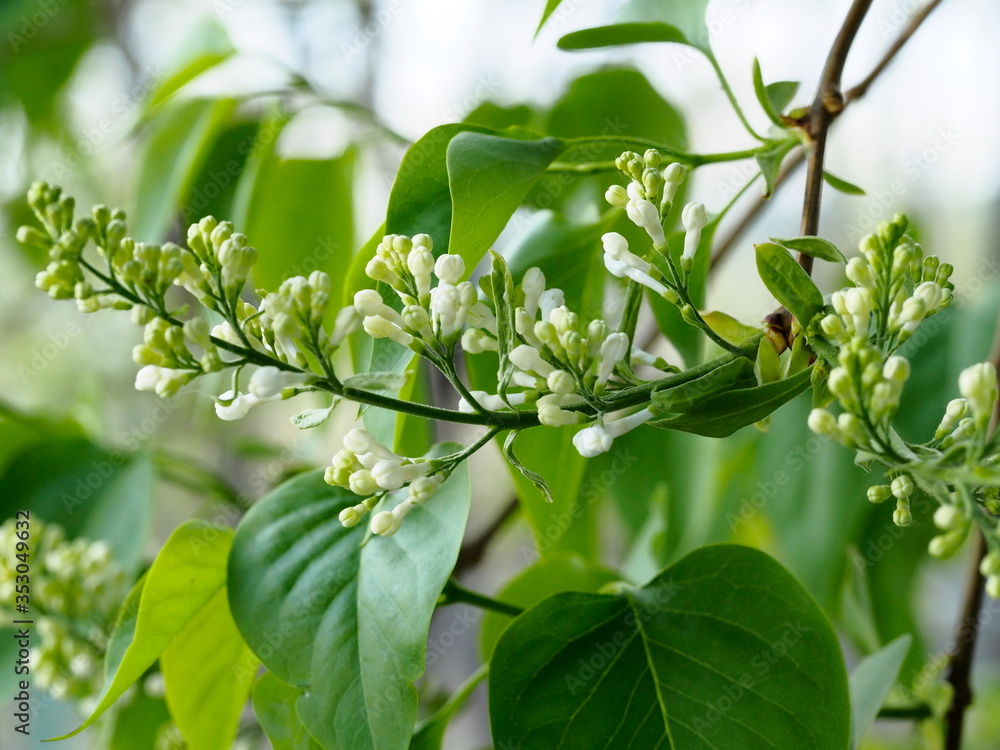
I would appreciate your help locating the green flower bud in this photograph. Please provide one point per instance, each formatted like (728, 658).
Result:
(946, 545)
(879, 493)
(902, 515)
(31, 237)
(993, 587)
(902, 487)
(990, 566)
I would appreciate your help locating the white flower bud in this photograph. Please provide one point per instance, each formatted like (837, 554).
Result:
(349, 517)
(551, 415)
(267, 383)
(644, 215)
(363, 483)
(592, 441)
(948, 517)
(833, 326)
(616, 195)
(823, 423)
(560, 381)
(231, 406)
(860, 273)
(957, 409)
(528, 359)
(423, 488)
(385, 523)
(379, 328)
(532, 284)
(694, 219)
(475, 341)
(897, 369)
(978, 384)
(931, 293)
(549, 300)
(450, 268)
(614, 349)
(839, 383)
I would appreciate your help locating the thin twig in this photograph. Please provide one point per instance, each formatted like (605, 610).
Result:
(829, 102)
(852, 95)
(960, 664)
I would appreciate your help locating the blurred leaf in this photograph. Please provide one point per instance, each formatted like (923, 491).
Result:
(615, 102)
(274, 706)
(781, 93)
(354, 618)
(185, 578)
(788, 282)
(93, 493)
(299, 216)
(648, 21)
(496, 117)
(648, 667)
(817, 247)
(203, 48)
(566, 521)
(769, 160)
(310, 418)
(213, 190)
(558, 572)
(138, 722)
(429, 734)
(208, 671)
(842, 185)
(376, 381)
(870, 683)
(550, 8)
(570, 256)
(42, 46)
(179, 141)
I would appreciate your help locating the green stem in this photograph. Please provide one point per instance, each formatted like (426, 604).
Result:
(454, 592)
(693, 160)
(731, 96)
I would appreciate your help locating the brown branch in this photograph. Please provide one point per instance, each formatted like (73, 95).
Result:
(960, 663)
(852, 95)
(829, 103)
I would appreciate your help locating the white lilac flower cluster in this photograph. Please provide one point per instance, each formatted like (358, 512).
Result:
(284, 335)
(647, 200)
(432, 316)
(371, 470)
(895, 290)
(77, 588)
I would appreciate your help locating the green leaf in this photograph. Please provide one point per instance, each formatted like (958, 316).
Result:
(185, 578)
(553, 574)
(90, 492)
(725, 413)
(681, 397)
(205, 47)
(207, 671)
(274, 706)
(842, 185)
(817, 247)
(376, 381)
(781, 93)
(138, 723)
(179, 141)
(533, 477)
(430, 733)
(722, 649)
(550, 8)
(310, 418)
(353, 618)
(769, 160)
(760, 90)
(788, 282)
(648, 21)
(299, 216)
(488, 177)
(729, 328)
(870, 683)
(503, 296)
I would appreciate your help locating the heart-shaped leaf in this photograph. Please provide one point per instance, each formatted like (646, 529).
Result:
(722, 649)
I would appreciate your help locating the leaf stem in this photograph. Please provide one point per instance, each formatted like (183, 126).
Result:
(731, 96)
(454, 592)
